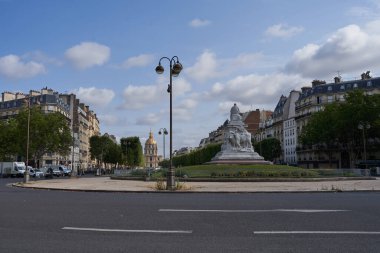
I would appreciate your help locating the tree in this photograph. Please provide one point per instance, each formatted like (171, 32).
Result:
(337, 125)
(8, 146)
(131, 147)
(269, 148)
(99, 146)
(48, 132)
(322, 130)
(113, 154)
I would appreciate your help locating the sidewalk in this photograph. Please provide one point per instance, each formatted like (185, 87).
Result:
(105, 184)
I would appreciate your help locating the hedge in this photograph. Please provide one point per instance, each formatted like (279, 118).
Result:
(197, 157)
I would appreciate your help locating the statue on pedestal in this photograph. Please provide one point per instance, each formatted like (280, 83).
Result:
(237, 147)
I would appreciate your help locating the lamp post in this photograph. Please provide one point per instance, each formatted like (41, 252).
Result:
(175, 69)
(26, 174)
(363, 126)
(164, 132)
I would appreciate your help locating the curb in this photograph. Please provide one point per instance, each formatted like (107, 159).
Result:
(242, 180)
(188, 192)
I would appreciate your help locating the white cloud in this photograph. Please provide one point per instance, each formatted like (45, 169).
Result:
(181, 86)
(208, 66)
(350, 49)
(42, 57)
(244, 61)
(88, 54)
(188, 103)
(136, 97)
(184, 111)
(109, 120)
(205, 67)
(138, 61)
(149, 119)
(283, 31)
(367, 10)
(257, 90)
(11, 66)
(94, 96)
(360, 11)
(199, 22)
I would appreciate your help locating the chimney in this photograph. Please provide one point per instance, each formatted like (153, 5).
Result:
(305, 89)
(337, 79)
(317, 83)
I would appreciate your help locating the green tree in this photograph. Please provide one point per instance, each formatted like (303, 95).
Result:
(48, 132)
(269, 148)
(113, 154)
(99, 146)
(337, 125)
(131, 147)
(322, 130)
(8, 146)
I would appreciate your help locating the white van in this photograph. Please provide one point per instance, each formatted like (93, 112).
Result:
(12, 169)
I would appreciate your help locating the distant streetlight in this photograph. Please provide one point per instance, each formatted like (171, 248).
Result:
(363, 126)
(175, 69)
(164, 132)
(26, 174)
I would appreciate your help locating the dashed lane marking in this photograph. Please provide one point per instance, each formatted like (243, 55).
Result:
(253, 211)
(130, 230)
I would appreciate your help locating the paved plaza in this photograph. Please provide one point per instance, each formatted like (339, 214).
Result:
(110, 185)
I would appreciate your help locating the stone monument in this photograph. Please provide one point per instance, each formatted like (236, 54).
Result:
(237, 147)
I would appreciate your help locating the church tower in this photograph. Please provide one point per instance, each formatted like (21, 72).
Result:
(150, 151)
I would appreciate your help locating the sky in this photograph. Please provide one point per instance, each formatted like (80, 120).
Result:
(248, 52)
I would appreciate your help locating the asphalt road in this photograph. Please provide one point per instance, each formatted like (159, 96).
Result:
(59, 221)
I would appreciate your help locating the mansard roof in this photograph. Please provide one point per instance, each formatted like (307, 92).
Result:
(331, 88)
(279, 107)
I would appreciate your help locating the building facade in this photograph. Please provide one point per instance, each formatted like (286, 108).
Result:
(66, 104)
(289, 138)
(313, 99)
(150, 152)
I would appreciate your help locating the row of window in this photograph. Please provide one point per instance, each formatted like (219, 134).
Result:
(290, 159)
(290, 141)
(289, 132)
(290, 123)
(290, 151)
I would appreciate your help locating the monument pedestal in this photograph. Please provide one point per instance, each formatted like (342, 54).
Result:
(237, 157)
(237, 147)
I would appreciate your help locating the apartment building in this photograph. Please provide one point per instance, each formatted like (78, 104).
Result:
(313, 99)
(66, 104)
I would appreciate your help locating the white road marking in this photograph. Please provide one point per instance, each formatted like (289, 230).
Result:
(254, 211)
(317, 232)
(131, 230)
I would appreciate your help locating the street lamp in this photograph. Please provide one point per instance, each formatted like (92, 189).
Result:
(26, 175)
(164, 132)
(175, 69)
(363, 126)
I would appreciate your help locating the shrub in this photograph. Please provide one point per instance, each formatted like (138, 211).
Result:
(296, 173)
(160, 184)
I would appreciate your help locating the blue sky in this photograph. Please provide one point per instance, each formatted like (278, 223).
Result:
(248, 52)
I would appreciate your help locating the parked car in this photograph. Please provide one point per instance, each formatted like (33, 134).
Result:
(50, 172)
(38, 173)
(64, 171)
(35, 172)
